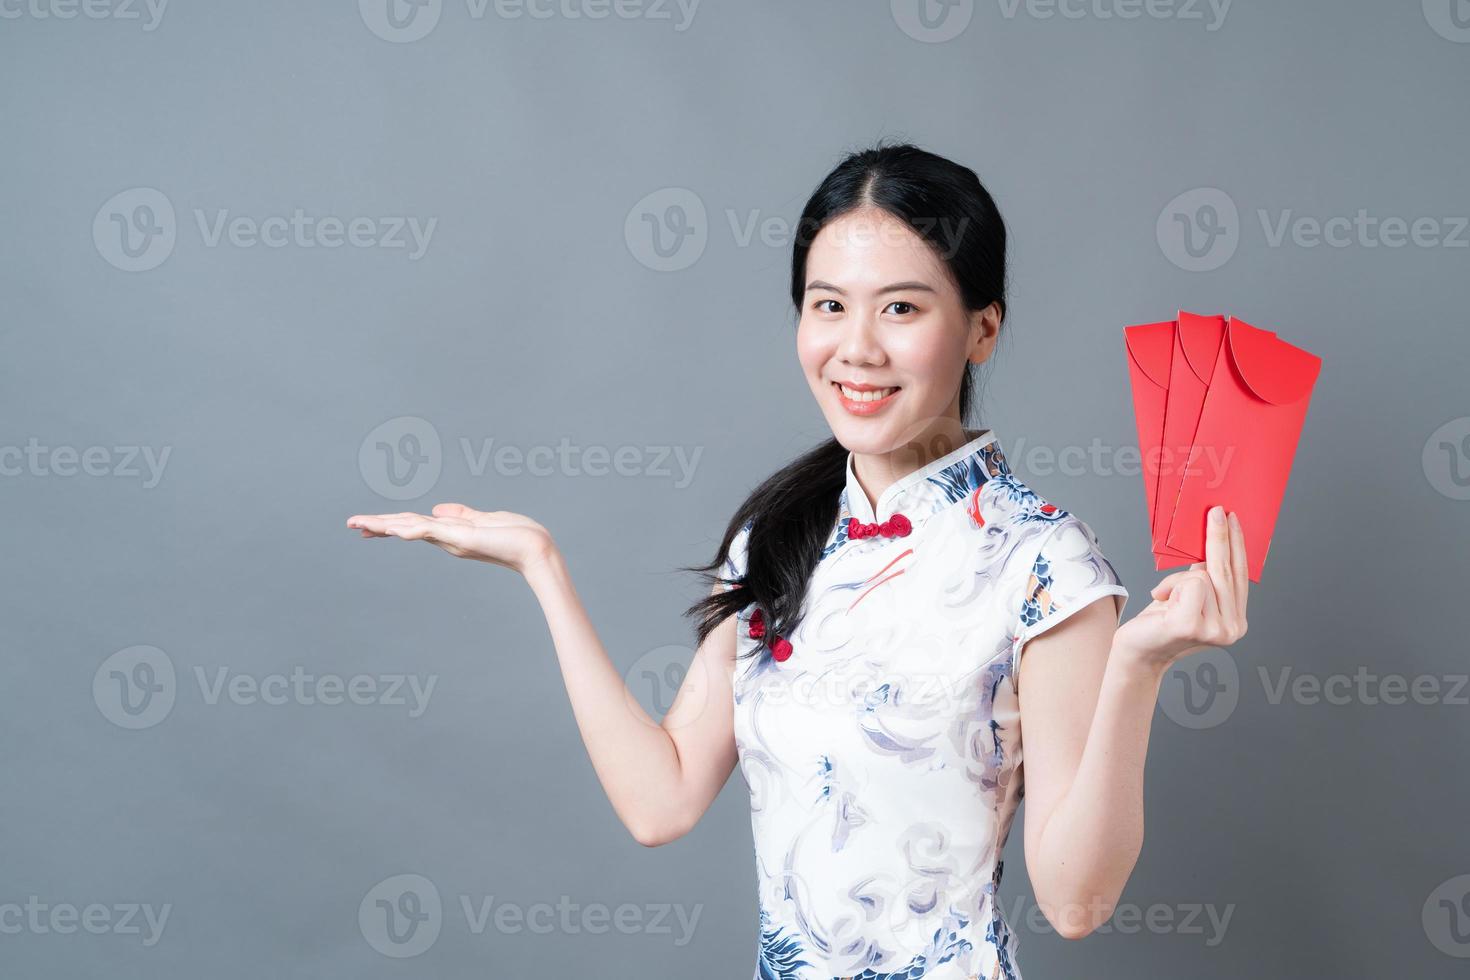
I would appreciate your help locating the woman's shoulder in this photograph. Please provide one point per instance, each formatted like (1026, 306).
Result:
(1053, 551)
(1006, 501)
(1018, 522)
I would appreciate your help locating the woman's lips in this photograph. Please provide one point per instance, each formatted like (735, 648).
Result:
(864, 407)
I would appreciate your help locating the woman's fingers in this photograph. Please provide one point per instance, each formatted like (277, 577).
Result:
(1240, 565)
(1192, 612)
(1218, 562)
(423, 529)
(372, 523)
(1169, 582)
(390, 525)
(1185, 604)
(362, 520)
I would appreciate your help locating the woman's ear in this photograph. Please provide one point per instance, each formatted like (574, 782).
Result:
(984, 330)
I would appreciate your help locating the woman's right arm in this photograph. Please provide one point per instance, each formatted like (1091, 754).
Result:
(660, 776)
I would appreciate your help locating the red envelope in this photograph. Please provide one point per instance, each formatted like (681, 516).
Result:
(1150, 353)
(1196, 347)
(1251, 420)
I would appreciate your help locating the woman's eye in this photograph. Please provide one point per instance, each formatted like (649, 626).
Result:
(821, 301)
(898, 302)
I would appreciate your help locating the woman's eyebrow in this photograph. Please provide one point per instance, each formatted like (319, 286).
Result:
(895, 287)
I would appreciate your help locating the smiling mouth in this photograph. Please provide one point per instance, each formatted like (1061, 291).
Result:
(855, 395)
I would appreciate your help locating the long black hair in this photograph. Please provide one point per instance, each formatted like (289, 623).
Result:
(792, 513)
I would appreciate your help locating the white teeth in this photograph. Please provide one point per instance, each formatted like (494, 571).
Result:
(865, 396)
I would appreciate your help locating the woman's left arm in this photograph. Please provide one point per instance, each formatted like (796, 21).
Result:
(1086, 710)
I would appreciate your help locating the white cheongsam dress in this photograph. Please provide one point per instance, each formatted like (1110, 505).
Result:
(881, 741)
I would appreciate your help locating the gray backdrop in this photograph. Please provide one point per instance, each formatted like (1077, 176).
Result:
(270, 264)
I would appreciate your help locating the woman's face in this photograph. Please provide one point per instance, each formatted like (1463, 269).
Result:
(881, 312)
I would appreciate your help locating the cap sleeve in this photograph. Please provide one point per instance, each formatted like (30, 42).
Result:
(1069, 573)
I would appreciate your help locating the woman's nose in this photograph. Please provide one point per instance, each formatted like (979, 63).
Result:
(860, 344)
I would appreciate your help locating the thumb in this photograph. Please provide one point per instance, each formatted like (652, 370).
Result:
(451, 510)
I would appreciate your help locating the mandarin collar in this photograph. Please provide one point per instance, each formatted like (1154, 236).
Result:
(929, 488)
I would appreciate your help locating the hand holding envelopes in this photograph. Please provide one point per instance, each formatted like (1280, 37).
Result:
(1219, 406)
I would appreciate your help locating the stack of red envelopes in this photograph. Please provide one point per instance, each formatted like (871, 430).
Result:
(1219, 406)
